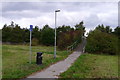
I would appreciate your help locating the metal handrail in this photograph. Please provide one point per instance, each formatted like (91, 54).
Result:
(73, 46)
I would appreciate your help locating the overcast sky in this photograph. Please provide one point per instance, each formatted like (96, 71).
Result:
(41, 13)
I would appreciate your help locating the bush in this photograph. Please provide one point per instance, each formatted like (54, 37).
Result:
(64, 40)
(35, 42)
(101, 42)
(68, 38)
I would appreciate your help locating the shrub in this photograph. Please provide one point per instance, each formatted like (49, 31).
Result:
(64, 40)
(68, 38)
(101, 42)
(35, 42)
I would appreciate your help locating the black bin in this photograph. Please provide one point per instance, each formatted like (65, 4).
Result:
(39, 58)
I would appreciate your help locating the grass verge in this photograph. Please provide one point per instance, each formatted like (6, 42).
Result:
(93, 66)
(15, 60)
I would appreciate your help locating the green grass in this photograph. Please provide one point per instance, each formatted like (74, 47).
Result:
(93, 66)
(15, 60)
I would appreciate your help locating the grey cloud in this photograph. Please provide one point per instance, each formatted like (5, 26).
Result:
(19, 10)
(20, 6)
(92, 21)
(48, 7)
(119, 13)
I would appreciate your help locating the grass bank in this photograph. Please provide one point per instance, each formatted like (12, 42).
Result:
(15, 59)
(93, 66)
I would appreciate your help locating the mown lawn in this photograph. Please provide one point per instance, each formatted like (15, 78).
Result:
(93, 66)
(15, 60)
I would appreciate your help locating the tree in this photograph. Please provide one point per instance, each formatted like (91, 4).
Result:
(64, 28)
(80, 27)
(102, 28)
(6, 33)
(101, 42)
(108, 30)
(64, 40)
(67, 35)
(36, 34)
(26, 35)
(16, 35)
(12, 24)
(47, 35)
(117, 31)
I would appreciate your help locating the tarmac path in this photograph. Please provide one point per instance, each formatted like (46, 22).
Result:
(54, 70)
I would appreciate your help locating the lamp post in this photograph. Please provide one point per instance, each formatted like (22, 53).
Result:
(55, 32)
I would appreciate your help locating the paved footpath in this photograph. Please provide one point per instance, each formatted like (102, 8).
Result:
(54, 70)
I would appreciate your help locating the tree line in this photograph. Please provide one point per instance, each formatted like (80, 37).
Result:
(102, 40)
(66, 35)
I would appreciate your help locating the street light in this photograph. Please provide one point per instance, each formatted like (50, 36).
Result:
(55, 32)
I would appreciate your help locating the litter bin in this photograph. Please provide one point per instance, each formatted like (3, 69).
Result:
(39, 58)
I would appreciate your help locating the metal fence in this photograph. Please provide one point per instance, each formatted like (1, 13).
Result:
(73, 46)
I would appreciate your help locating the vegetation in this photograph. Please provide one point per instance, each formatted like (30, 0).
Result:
(93, 66)
(47, 35)
(16, 60)
(13, 34)
(102, 40)
(68, 36)
(117, 31)
(16, 57)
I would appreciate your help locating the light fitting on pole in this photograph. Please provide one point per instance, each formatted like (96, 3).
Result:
(57, 10)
